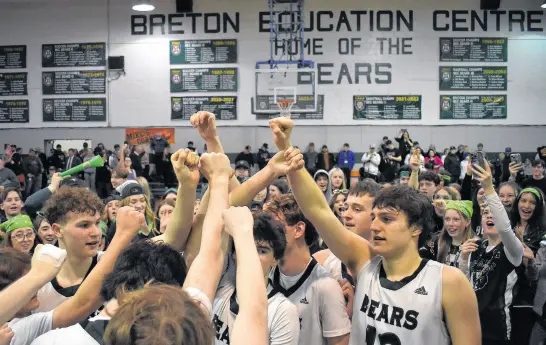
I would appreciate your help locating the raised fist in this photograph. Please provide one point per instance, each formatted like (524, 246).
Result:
(185, 163)
(129, 221)
(205, 123)
(214, 165)
(48, 260)
(282, 129)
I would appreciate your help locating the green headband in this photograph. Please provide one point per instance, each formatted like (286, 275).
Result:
(463, 206)
(404, 173)
(533, 191)
(445, 177)
(18, 222)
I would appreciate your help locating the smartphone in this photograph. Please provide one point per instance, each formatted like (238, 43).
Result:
(515, 158)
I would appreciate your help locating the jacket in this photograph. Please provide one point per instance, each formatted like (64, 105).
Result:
(452, 164)
(371, 163)
(346, 159)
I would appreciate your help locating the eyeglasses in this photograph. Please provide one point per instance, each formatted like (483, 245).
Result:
(444, 197)
(340, 191)
(20, 237)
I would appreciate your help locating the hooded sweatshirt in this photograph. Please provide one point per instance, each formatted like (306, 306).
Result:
(328, 193)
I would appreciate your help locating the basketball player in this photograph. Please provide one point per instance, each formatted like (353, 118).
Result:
(282, 315)
(319, 298)
(82, 241)
(357, 218)
(399, 298)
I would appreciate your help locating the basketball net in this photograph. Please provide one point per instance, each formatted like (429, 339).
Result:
(285, 105)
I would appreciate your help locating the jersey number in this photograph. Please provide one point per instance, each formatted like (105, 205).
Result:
(384, 338)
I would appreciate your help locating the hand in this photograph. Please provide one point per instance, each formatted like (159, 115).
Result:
(214, 165)
(185, 164)
(205, 123)
(6, 334)
(238, 220)
(283, 163)
(1, 189)
(56, 180)
(129, 222)
(294, 158)
(48, 260)
(124, 147)
(528, 253)
(282, 129)
(469, 247)
(349, 294)
(483, 175)
(415, 163)
(514, 168)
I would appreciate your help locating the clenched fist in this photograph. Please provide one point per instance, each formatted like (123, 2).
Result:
(185, 163)
(238, 220)
(282, 129)
(214, 165)
(48, 260)
(205, 123)
(129, 222)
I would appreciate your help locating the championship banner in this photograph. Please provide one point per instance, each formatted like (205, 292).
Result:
(137, 136)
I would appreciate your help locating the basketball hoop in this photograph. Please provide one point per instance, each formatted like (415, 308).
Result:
(285, 105)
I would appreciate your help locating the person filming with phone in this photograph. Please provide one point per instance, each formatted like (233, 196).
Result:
(537, 180)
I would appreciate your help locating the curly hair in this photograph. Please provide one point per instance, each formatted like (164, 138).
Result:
(70, 199)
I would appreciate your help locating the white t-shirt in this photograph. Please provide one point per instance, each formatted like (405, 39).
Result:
(52, 295)
(282, 317)
(27, 329)
(333, 266)
(320, 303)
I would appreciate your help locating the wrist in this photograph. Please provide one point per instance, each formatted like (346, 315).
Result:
(489, 190)
(40, 276)
(219, 179)
(52, 188)
(287, 144)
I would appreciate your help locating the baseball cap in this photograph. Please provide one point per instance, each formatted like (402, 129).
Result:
(73, 182)
(170, 191)
(372, 146)
(508, 149)
(130, 188)
(452, 148)
(242, 164)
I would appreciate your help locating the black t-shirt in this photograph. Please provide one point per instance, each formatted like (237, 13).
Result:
(136, 163)
(493, 278)
(531, 182)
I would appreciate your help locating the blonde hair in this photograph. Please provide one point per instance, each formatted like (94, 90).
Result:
(161, 315)
(144, 183)
(150, 216)
(445, 241)
(334, 170)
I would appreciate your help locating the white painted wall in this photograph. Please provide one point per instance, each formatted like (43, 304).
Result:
(142, 97)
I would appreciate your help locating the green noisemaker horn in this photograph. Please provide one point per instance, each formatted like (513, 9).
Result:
(96, 162)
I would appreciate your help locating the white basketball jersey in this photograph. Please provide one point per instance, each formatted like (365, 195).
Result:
(282, 317)
(333, 266)
(320, 303)
(399, 313)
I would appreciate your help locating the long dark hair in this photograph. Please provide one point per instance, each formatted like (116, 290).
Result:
(536, 222)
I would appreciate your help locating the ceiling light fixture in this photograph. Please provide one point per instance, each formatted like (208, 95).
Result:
(544, 4)
(143, 6)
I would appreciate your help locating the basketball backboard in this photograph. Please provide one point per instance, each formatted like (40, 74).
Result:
(285, 82)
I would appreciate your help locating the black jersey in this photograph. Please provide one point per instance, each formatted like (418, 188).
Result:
(493, 278)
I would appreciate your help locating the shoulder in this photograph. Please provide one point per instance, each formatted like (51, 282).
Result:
(322, 256)
(453, 279)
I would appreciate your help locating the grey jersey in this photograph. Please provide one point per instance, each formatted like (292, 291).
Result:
(399, 313)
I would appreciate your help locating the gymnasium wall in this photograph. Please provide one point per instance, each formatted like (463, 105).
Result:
(349, 43)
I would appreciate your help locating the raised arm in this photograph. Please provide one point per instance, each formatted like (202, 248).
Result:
(250, 326)
(350, 248)
(277, 166)
(513, 248)
(46, 263)
(88, 298)
(415, 165)
(216, 168)
(185, 167)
